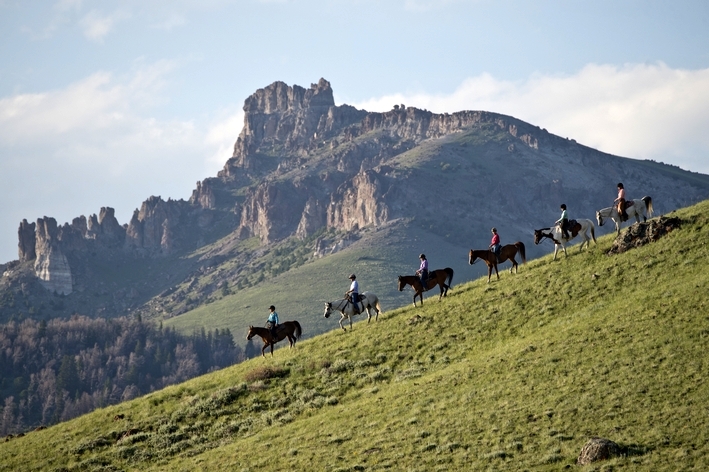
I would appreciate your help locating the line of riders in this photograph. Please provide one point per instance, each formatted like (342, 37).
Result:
(352, 295)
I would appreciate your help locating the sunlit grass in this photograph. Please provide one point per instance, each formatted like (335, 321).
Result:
(514, 375)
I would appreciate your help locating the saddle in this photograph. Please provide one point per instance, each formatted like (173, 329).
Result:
(575, 227)
(360, 299)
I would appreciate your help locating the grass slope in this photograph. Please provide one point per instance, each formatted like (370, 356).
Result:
(515, 375)
(376, 259)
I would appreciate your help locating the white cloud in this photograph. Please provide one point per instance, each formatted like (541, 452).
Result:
(97, 143)
(96, 25)
(646, 111)
(222, 135)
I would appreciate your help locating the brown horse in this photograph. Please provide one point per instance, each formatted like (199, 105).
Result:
(287, 329)
(437, 277)
(508, 251)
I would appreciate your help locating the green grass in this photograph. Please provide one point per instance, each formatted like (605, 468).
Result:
(514, 375)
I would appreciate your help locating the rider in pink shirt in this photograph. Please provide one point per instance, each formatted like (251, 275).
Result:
(620, 201)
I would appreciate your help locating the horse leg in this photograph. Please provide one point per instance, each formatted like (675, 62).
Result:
(514, 265)
(263, 349)
(497, 272)
(342, 318)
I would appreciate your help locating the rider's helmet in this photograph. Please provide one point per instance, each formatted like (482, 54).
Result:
(620, 184)
(494, 230)
(422, 256)
(273, 308)
(352, 277)
(563, 206)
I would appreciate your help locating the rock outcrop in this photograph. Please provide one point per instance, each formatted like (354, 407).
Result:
(51, 265)
(598, 449)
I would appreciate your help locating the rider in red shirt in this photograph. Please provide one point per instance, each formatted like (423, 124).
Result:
(495, 244)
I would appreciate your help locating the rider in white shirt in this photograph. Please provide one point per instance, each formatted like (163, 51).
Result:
(353, 292)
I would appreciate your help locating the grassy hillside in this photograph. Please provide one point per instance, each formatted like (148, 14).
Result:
(515, 375)
(376, 259)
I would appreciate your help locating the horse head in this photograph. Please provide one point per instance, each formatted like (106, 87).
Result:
(250, 334)
(402, 284)
(599, 218)
(328, 309)
(471, 257)
(538, 235)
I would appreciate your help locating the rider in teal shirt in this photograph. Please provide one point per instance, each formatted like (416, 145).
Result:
(563, 222)
(272, 321)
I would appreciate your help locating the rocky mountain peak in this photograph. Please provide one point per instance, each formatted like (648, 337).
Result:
(280, 97)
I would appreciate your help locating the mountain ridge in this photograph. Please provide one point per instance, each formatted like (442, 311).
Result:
(314, 177)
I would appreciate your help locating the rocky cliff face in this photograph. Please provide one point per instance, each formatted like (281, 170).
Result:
(303, 165)
(51, 265)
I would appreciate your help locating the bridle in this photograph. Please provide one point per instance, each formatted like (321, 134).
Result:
(544, 235)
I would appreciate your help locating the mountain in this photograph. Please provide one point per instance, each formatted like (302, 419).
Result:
(313, 192)
(514, 375)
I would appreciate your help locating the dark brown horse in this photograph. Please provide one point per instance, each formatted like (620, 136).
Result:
(287, 329)
(508, 251)
(441, 277)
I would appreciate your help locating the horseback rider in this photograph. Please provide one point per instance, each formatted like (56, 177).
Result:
(495, 245)
(272, 322)
(563, 222)
(353, 293)
(620, 201)
(423, 271)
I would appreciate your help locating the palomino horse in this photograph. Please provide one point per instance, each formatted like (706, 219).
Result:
(441, 277)
(287, 329)
(582, 227)
(508, 251)
(347, 310)
(638, 207)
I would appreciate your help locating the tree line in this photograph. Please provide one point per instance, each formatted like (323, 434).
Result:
(52, 371)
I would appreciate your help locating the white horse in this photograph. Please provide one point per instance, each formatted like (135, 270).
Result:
(368, 302)
(582, 227)
(640, 207)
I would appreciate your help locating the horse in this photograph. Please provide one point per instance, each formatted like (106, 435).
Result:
(638, 207)
(441, 277)
(287, 329)
(368, 300)
(508, 251)
(582, 227)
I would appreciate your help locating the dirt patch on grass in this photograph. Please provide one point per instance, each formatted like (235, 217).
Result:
(640, 234)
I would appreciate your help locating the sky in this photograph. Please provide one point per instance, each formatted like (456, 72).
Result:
(106, 103)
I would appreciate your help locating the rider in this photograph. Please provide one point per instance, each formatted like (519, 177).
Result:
(353, 293)
(495, 244)
(563, 222)
(620, 201)
(423, 270)
(272, 322)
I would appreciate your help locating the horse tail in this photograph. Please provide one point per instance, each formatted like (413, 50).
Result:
(449, 273)
(378, 306)
(298, 330)
(648, 205)
(593, 232)
(520, 247)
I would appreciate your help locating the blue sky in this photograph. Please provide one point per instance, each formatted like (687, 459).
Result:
(105, 103)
